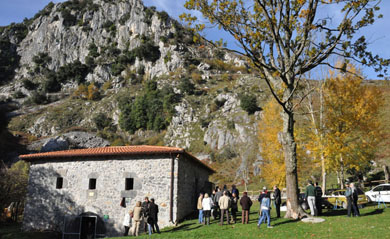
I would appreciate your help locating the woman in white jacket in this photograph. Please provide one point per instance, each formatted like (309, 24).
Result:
(207, 204)
(127, 221)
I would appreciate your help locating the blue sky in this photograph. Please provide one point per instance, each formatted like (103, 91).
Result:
(378, 34)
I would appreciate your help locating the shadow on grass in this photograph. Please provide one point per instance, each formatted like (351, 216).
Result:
(184, 227)
(376, 211)
(285, 222)
(333, 213)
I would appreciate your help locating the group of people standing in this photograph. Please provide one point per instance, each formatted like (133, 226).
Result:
(224, 204)
(313, 197)
(146, 213)
(221, 204)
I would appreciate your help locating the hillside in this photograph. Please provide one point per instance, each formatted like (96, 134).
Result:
(131, 75)
(122, 73)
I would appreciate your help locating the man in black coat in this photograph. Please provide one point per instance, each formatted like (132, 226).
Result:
(318, 191)
(153, 216)
(278, 200)
(355, 198)
(145, 213)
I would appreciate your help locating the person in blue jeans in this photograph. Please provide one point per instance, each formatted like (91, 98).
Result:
(200, 208)
(265, 208)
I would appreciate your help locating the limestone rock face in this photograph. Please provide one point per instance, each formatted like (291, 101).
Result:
(55, 144)
(85, 140)
(71, 140)
(209, 121)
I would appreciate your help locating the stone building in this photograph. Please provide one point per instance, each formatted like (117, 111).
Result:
(76, 190)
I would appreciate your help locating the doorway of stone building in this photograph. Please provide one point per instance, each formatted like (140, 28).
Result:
(88, 227)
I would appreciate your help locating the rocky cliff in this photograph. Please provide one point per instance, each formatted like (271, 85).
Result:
(84, 65)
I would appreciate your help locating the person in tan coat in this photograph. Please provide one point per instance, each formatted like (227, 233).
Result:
(137, 217)
(200, 208)
(224, 204)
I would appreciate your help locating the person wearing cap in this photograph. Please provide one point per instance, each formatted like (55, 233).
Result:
(311, 198)
(262, 194)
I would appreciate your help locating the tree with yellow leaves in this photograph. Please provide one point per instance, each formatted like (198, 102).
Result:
(282, 41)
(273, 168)
(352, 125)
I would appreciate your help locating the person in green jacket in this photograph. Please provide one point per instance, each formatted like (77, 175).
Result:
(311, 198)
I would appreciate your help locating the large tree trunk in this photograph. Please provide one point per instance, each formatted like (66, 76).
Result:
(387, 174)
(294, 210)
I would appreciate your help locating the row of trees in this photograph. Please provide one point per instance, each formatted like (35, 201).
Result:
(338, 131)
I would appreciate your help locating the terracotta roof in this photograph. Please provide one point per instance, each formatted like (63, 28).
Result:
(110, 151)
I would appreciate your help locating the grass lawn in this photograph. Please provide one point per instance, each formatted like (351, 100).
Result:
(373, 223)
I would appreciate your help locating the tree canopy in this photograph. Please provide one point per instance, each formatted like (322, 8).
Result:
(283, 40)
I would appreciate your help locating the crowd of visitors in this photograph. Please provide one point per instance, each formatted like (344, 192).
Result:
(146, 214)
(223, 204)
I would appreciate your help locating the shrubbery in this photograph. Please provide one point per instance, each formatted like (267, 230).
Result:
(249, 103)
(102, 121)
(186, 86)
(151, 110)
(90, 92)
(9, 60)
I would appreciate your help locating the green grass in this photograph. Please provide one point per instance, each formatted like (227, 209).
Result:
(373, 223)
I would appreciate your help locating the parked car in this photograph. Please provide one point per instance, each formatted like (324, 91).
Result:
(379, 193)
(338, 198)
(305, 205)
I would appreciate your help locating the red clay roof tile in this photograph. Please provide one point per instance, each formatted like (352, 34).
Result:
(110, 151)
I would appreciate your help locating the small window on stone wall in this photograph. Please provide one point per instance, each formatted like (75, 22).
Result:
(92, 183)
(60, 182)
(129, 185)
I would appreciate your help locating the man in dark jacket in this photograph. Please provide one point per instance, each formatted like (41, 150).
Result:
(262, 194)
(246, 204)
(355, 198)
(318, 192)
(278, 200)
(153, 212)
(145, 212)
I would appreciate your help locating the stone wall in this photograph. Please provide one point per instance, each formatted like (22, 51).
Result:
(191, 181)
(46, 206)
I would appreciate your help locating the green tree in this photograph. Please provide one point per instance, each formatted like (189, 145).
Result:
(151, 110)
(282, 41)
(13, 183)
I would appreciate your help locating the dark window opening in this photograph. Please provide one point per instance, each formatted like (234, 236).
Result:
(92, 183)
(60, 182)
(129, 185)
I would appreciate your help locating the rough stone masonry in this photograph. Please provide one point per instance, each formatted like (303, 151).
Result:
(60, 188)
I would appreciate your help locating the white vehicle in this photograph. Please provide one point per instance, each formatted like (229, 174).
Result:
(379, 193)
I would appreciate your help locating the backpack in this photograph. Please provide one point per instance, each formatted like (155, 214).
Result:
(264, 204)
